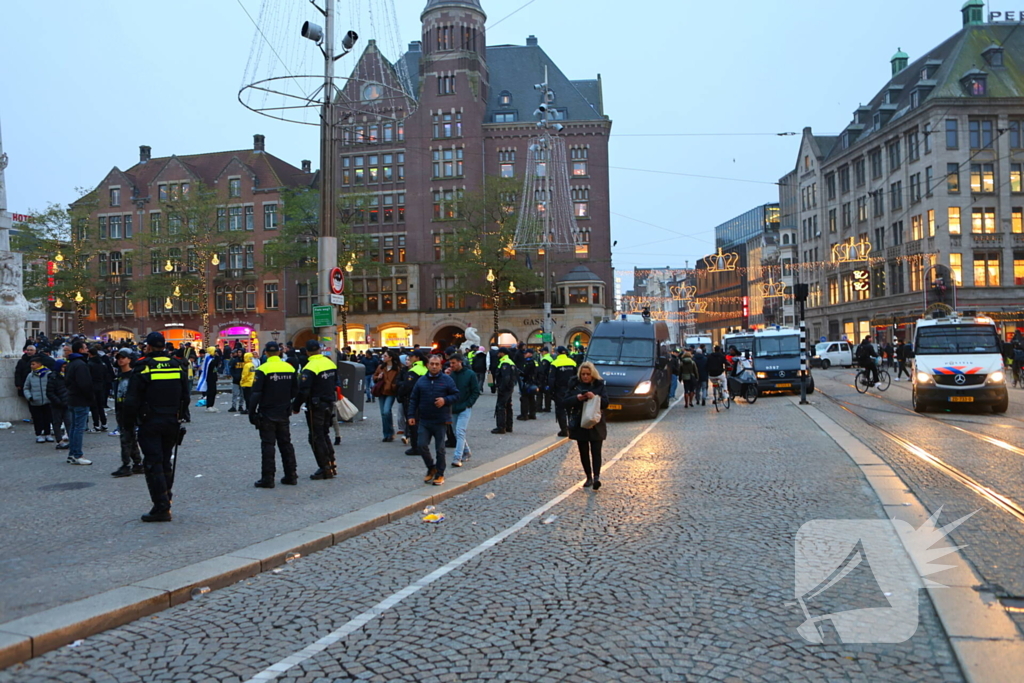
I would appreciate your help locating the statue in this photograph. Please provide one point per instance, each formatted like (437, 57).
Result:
(472, 337)
(14, 307)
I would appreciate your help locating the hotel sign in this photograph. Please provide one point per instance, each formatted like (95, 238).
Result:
(1013, 16)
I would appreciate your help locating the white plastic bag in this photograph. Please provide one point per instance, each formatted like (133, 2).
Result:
(345, 409)
(591, 413)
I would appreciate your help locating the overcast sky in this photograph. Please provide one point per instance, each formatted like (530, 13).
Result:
(83, 84)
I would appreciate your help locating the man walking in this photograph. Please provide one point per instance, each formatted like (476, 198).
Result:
(506, 376)
(208, 379)
(81, 397)
(276, 386)
(317, 384)
(467, 383)
(700, 359)
(409, 378)
(157, 400)
(430, 403)
(237, 362)
(563, 372)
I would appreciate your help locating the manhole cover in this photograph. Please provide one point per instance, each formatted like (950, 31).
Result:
(68, 486)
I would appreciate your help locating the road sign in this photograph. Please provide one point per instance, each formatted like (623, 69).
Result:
(547, 338)
(323, 316)
(337, 281)
(337, 299)
(823, 339)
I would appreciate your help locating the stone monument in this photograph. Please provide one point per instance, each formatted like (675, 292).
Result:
(14, 310)
(472, 337)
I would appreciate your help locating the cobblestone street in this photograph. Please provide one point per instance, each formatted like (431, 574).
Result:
(680, 568)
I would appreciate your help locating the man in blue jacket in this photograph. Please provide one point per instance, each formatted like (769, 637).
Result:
(430, 408)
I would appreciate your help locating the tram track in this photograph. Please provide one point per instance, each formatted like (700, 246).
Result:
(990, 495)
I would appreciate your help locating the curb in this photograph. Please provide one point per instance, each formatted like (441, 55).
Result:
(984, 640)
(36, 634)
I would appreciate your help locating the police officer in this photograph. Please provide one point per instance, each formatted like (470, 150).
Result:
(562, 374)
(529, 386)
(276, 386)
(157, 400)
(506, 376)
(317, 384)
(542, 381)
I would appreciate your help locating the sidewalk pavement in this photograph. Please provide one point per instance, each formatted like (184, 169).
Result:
(71, 532)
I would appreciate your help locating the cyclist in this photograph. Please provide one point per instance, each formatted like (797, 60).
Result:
(717, 366)
(866, 355)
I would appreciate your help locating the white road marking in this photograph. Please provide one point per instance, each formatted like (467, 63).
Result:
(308, 652)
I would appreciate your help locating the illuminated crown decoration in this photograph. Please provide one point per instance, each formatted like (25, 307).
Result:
(850, 253)
(699, 306)
(773, 290)
(681, 293)
(638, 304)
(721, 263)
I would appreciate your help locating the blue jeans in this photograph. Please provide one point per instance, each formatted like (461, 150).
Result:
(387, 419)
(672, 382)
(461, 423)
(368, 387)
(438, 432)
(79, 419)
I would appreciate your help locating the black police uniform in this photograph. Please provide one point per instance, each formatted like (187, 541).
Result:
(275, 388)
(317, 383)
(506, 376)
(157, 398)
(528, 389)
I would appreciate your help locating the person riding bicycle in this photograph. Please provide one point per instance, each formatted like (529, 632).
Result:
(717, 366)
(865, 356)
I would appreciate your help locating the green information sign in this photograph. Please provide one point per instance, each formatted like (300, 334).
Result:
(547, 338)
(323, 316)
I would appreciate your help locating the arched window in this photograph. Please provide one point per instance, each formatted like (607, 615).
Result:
(250, 298)
(221, 300)
(239, 298)
(505, 99)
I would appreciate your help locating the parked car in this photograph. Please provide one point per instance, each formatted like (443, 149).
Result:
(827, 354)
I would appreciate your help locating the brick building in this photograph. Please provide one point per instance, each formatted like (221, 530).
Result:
(246, 303)
(473, 119)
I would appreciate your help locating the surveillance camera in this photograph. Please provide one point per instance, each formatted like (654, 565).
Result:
(312, 31)
(540, 124)
(349, 41)
(559, 128)
(542, 108)
(539, 86)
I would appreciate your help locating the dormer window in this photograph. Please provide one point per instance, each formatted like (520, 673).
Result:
(915, 99)
(974, 83)
(993, 55)
(876, 120)
(846, 140)
(505, 99)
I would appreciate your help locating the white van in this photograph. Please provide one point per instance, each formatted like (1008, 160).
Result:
(695, 342)
(958, 361)
(833, 353)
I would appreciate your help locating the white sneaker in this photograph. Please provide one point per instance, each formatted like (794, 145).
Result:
(114, 433)
(49, 438)
(40, 439)
(878, 385)
(895, 379)
(72, 460)
(213, 410)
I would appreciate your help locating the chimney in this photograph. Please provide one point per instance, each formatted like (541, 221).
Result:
(307, 166)
(531, 41)
(416, 46)
(259, 143)
(145, 153)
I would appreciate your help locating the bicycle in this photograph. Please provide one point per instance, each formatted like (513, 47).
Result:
(1018, 376)
(720, 398)
(863, 381)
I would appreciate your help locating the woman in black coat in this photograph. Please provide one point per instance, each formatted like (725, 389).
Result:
(587, 385)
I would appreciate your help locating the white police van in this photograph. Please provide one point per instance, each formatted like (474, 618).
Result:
(958, 361)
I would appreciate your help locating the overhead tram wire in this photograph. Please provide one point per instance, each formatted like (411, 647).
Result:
(269, 44)
(522, 7)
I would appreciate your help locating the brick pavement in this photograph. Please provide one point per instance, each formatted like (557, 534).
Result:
(62, 544)
(680, 568)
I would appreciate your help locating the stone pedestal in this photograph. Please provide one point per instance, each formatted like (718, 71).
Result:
(13, 408)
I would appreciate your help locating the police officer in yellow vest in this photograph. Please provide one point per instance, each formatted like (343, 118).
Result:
(546, 360)
(562, 373)
(318, 383)
(157, 401)
(275, 388)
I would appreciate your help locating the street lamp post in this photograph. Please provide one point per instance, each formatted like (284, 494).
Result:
(496, 298)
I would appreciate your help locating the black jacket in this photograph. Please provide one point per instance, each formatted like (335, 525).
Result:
(574, 407)
(158, 386)
(100, 372)
(78, 380)
(236, 369)
(506, 376)
(21, 371)
(318, 383)
(716, 364)
(57, 391)
(273, 391)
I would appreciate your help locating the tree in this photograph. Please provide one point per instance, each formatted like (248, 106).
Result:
(56, 255)
(295, 245)
(479, 250)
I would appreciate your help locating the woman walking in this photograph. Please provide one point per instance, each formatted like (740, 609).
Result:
(587, 385)
(385, 386)
(689, 373)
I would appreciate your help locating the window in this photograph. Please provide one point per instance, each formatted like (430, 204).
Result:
(270, 295)
(956, 266)
(114, 222)
(953, 178)
(250, 297)
(446, 85)
(270, 216)
(844, 179)
(505, 98)
(579, 156)
(581, 202)
(156, 265)
(1018, 269)
(235, 218)
(1017, 220)
(878, 281)
(952, 134)
(222, 220)
(915, 188)
(879, 243)
(927, 138)
(103, 227)
(983, 178)
(878, 200)
(445, 38)
(980, 133)
(115, 196)
(447, 126)
(162, 192)
(307, 298)
(447, 163)
(831, 220)
(1016, 128)
(895, 283)
(862, 209)
(234, 187)
(876, 163)
(913, 146)
(916, 275)
(859, 172)
(929, 181)
(154, 222)
(893, 149)
(248, 218)
(1015, 177)
(128, 226)
(986, 269)
(896, 195)
(847, 220)
(116, 263)
(954, 220)
(104, 268)
(505, 117)
(983, 221)
(583, 244)
(446, 204)
(917, 227)
(975, 86)
(897, 233)
(507, 170)
(931, 222)
(830, 186)
(833, 291)
(445, 295)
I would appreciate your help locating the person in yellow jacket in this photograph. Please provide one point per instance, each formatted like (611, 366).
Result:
(248, 377)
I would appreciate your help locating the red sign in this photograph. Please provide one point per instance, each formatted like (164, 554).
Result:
(337, 281)
(746, 306)
(20, 218)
